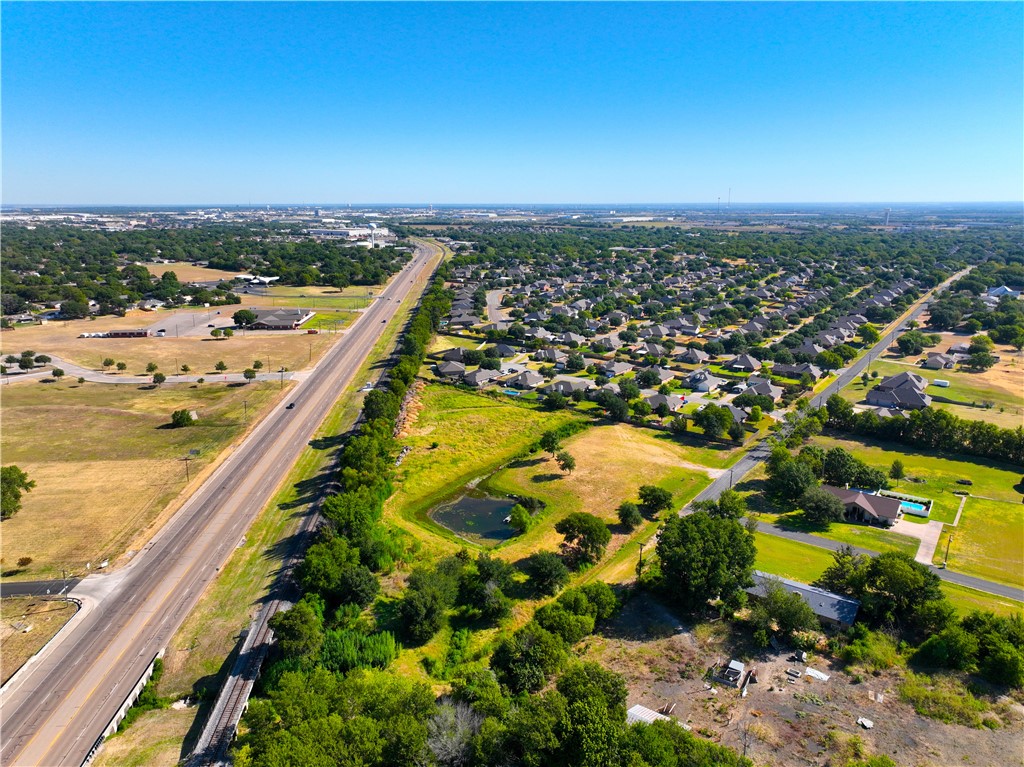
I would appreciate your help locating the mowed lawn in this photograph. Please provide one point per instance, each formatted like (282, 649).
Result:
(802, 562)
(200, 352)
(474, 436)
(939, 472)
(612, 462)
(103, 466)
(988, 542)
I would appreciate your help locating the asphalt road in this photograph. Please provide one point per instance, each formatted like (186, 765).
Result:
(36, 588)
(760, 452)
(53, 713)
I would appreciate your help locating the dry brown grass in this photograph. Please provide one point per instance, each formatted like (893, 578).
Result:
(44, 616)
(201, 353)
(188, 273)
(153, 741)
(103, 467)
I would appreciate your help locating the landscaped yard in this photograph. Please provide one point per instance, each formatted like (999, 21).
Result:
(939, 472)
(104, 468)
(988, 542)
(474, 435)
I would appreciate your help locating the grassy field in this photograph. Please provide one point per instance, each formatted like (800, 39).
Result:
(314, 297)
(988, 542)
(443, 342)
(103, 466)
(46, 617)
(199, 352)
(164, 732)
(475, 435)
(611, 464)
(804, 563)
(939, 472)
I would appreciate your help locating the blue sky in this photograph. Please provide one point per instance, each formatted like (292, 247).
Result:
(198, 103)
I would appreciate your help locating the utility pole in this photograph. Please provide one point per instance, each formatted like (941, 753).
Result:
(949, 540)
(188, 475)
(245, 410)
(640, 562)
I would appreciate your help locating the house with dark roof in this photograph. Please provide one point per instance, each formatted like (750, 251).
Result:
(280, 319)
(528, 379)
(833, 610)
(903, 390)
(862, 506)
(451, 369)
(703, 381)
(673, 401)
(694, 357)
(797, 371)
(745, 363)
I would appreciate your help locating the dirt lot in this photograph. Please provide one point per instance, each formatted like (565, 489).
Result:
(806, 722)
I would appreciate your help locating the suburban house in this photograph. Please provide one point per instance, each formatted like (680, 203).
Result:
(939, 361)
(528, 379)
(861, 506)
(797, 371)
(551, 355)
(833, 610)
(703, 381)
(663, 375)
(455, 354)
(745, 363)
(694, 357)
(451, 369)
(280, 319)
(612, 369)
(903, 390)
(763, 388)
(480, 377)
(504, 350)
(674, 401)
(569, 385)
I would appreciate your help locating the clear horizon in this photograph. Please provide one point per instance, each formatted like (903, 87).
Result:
(176, 104)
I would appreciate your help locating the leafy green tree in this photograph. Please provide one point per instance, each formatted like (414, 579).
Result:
(13, 482)
(780, 610)
(520, 518)
(730, 505)
(181, 418)
(159, 378)
(628, 390)
(228, 332)
(249, 375)
(654, 499)
(221, 366)
(713, 420)
(244, 317)
(896, 471)
(550, 442)
(546, 573)
(524, 661)
(869, 333)
(565, 461)
(821, 507)
(217, 333)
(736, 432)
(422, 612)
(790, 480)
(57, 373)
(555, 400)
(703, 558)
(107, 362)
(586, 537)
(122, 366)
(151, 367)
(828, 361)
(299, 631)
(257, 364)
(629, 516)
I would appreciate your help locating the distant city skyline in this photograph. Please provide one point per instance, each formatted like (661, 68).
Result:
(188, 104)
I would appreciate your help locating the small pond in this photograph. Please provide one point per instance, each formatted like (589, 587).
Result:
(476, 516)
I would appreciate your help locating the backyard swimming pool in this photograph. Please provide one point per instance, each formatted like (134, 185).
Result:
(912, 506)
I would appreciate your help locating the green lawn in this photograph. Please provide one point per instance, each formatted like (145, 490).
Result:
(475, 435)
(939, 472)
(988, 543)
(867, 537)
(804, 563)
(790, 559)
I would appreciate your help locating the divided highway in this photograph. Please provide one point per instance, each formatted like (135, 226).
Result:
(55, 710)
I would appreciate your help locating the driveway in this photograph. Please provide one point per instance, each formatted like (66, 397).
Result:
(928, 534)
